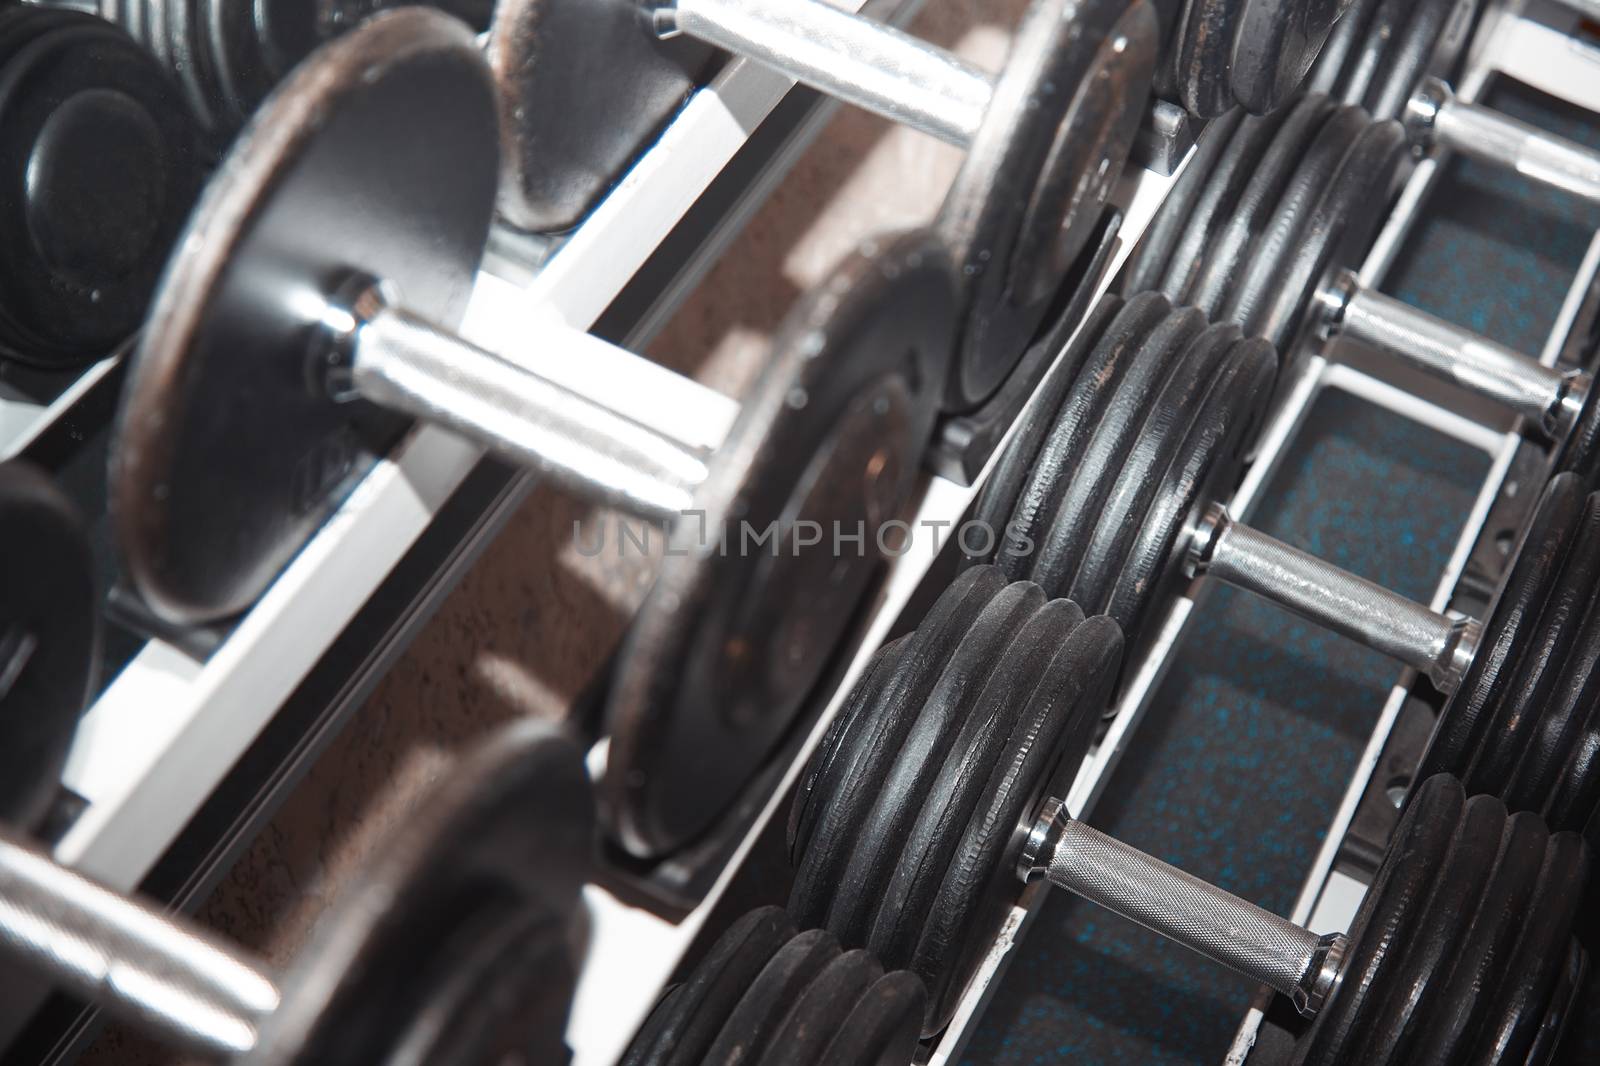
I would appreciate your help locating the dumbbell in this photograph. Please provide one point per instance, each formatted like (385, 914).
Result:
(1218, 54)
(309, 312)
(935, 795)
(1046, 139)
(1394, 65)
(228, 55)
(1109, 496)
(766, 995)
(98, 168)
(1266, 227)
(456, 945)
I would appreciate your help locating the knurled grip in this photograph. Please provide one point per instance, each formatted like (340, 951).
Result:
(1222, 927)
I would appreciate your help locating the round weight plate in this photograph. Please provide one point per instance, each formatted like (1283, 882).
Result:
(584, 86)
(835, 742)
(1338, 231)
(1455, 1010)
(49, 630)
(1274, 45)
(1216, 206)
(744, 616)
(1226, 263)
(1276, 250)
(820, 1009)
(1400, 998)
(1054, 139)
(186, 57)
(1527, 749)
(1422, 47)
(883, 1028)
(1580, 454)
(1328, 74)
(1525, 994)
(964, 769)
(1569, 797)
(1205, 469)
(457, 936)
(1152, 259)
(688, 1019)
(904, 792)
(100, 171)
(1139, 478)
(1205, 56)
(761, 1010)
(1468, 716)
(1388, 913)
(242, 78)
(998, 499)
(377, 157)
(1044, 754)
(847, 787)
(1072, 526)
(1072, 428)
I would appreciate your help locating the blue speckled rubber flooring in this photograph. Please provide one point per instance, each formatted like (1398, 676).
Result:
(1246, 750)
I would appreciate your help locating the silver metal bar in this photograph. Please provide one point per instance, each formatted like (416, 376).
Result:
(128, 958)
(1438, 645)
(1549, 399)
(402, 363)
(1203, 918)
(1435, 117)
(866, 63)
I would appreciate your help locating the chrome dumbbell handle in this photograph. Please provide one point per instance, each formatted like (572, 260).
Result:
(1435, 117)
(1549, 399)
(380, 353)
(855, 59)
(1184, 909)
(128, 958)
(1440, 646)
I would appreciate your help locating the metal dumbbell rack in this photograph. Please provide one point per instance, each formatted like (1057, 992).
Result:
(183, 759)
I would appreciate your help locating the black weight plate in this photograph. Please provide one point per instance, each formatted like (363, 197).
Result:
(101, 172)
(826, 1003)
(49, 632)
(1400, 998)
(1205, 56)
(688, 1019)
(1150, 456)
(1388, 912)
(1569, 797)
(838, 739)
(964, 771)
(1338, 231)
(242, 77)
(1567, 999)
(904, 792)
(1517, 1013)
(1276, 248)
(1526, 751)
(1152, 258)
(1329, 75)
(1580, 453)
(584, 86)
(998, 499)
(1073, 427)
(184, 52)
(1468, 716)
(455, 937)
(883, 1028)
(1455, 1010)
(1053, 141)
(1043, 757)
(1423, 46)
(729, 644)
(760, 1011)
(1063, 550)
(1215, 207)
(1364, 66)
(378, 156)
(845, 791)
(1275, 43)
(1226, 263)
(1206, 467)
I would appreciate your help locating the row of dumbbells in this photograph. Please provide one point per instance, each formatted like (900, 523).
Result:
(367, 184)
